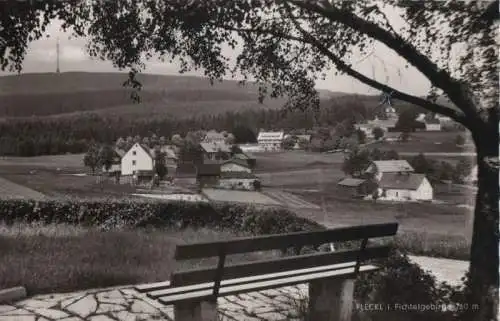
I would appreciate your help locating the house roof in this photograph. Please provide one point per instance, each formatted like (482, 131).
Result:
(351, 182)
(432, 121)
(208, 170)
(170, 151)
(393, 166)
(237, 161)
(213, 135)
(241, 175)
(145, 148)
(120, 152)
(214, 147)
(271, 135)
(241, 156)
(408, 181)
(304, 137)
(392, 134)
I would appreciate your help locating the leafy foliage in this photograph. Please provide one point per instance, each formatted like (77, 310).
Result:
(378, 133)
(356, 162)
(111, 213)
(402, 285)
(91, 158)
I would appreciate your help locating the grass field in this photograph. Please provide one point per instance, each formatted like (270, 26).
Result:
(429, 142)
(53, 176)
(60, 258)
(55, 184)
(71, 163)
(294, 160)
(9, 189)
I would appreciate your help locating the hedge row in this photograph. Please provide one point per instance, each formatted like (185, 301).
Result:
(108, 214)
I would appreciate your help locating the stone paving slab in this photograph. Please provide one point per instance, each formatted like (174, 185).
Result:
(126, 304)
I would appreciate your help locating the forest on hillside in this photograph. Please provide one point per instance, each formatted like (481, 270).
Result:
(60, 135)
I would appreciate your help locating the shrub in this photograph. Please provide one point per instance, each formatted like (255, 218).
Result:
(399, 287)
(109, 214)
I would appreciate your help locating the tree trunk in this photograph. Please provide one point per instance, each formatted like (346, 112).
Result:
(483, 278)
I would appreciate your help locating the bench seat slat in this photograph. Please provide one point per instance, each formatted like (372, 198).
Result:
(152, 286)
(257, 278)
(263, 285)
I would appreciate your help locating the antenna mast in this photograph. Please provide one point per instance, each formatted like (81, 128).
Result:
(57, 48)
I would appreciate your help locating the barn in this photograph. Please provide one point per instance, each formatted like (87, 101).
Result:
(356, 187)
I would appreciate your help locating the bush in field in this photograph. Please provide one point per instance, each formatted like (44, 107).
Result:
(399, 284)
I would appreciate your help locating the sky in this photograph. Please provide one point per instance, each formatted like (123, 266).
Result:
(386, 66)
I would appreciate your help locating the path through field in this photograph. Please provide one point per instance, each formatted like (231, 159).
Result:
(290, 200)
(9, 189)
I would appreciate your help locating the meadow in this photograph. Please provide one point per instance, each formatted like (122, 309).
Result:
(427, 142)
(60, 257)
(311, 177)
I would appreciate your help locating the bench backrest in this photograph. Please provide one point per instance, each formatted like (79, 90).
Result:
(279, 241)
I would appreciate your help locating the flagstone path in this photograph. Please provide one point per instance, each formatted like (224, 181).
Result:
(126, 304)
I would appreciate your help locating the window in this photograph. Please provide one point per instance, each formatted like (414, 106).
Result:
(133, 163)
(134, 153)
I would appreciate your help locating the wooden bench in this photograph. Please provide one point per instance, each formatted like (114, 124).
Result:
(330, 275)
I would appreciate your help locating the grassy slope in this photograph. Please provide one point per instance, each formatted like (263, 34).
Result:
(59, 258)
(68, 93)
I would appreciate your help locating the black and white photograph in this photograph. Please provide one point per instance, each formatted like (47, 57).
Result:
(249, 160)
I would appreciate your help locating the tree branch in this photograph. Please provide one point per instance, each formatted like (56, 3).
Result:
(342, 66)
(439, 78)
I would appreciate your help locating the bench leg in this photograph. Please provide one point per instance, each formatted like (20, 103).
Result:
(331, 300)
(195, 311)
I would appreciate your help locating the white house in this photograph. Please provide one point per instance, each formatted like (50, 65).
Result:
(384, 124)
(214, 136)
(380, 168)
(137, 158)
(251, 148)
(235, 165)
(171, 154)
(444, 119)
(271, 141)
(421, 117)
(405, 187)
(432, 125)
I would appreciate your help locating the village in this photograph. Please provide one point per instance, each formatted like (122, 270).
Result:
(210, 166)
